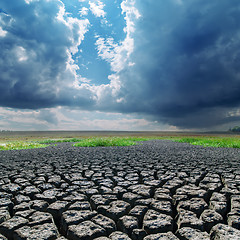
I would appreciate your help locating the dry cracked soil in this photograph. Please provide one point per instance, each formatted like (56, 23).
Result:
(156, 190)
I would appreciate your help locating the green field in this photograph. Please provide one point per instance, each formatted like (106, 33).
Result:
(109, 141)
(17, 145)
(227, 142)
(29, 140)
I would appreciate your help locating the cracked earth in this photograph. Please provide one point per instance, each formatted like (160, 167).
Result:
(156, 190)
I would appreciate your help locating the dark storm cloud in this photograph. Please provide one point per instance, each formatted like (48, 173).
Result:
(187, 62)
(35, 56)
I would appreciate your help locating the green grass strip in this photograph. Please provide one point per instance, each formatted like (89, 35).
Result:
(20, 145)
(109, 141)
(224, 142)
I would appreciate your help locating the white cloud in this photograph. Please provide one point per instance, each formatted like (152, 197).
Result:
(21, 54)
(96, 8)
(117, 54)
(83, 11)
(132, 13)
(2, 32)
(77, 26)
(107, 50)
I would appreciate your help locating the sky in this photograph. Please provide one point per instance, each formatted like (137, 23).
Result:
(119, 65)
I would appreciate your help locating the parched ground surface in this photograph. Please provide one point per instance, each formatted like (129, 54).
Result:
(157, 190)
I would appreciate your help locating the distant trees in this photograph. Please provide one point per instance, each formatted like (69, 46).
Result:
(235, 129)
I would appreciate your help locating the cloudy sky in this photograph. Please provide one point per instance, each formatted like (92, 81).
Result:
(119, 64)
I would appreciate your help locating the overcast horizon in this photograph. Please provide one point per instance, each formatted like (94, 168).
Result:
(127, 65)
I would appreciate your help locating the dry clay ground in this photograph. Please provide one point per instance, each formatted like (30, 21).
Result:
(157, 190)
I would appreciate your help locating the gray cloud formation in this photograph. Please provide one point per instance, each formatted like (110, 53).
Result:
(35, 56)
(187, 62)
